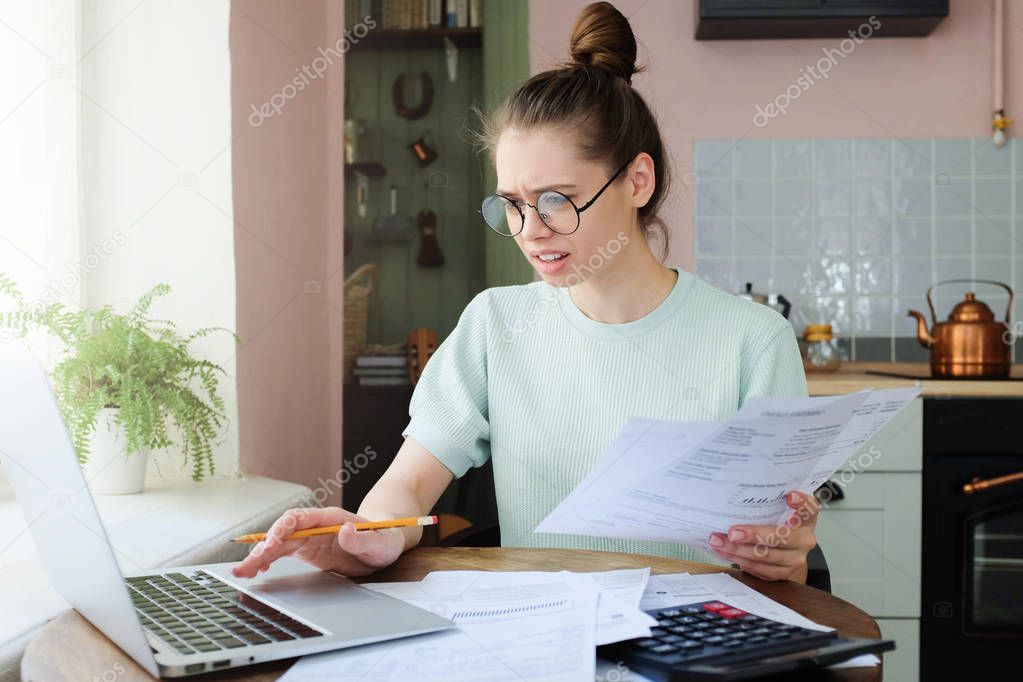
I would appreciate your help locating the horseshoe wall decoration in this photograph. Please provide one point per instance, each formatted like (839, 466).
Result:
(421, 109)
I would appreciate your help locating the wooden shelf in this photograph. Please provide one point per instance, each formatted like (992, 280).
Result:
(419, 38)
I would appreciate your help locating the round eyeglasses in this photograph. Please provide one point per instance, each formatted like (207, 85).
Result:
(507, 216)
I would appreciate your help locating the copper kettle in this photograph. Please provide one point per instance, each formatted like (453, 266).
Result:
(970, 344)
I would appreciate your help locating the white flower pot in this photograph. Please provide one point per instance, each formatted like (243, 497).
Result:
(110, 470)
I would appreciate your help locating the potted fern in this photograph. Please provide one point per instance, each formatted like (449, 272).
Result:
(126, 383)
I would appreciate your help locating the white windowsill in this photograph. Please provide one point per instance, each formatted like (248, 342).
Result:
(171, 523)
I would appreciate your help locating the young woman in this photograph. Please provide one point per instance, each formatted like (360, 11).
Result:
(541, 377)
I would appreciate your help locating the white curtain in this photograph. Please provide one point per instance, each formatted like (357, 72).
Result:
(115, 166)
(40, 119)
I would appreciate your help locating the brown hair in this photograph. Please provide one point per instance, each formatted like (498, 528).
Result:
(593, 94)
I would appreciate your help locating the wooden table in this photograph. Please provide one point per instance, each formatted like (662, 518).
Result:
(70, 648)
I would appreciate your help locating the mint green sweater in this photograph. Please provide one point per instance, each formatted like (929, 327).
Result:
(530, 381)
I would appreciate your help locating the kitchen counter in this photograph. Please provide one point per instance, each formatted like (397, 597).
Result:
(853, 376)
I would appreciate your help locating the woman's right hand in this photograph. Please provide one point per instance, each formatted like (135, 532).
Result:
(349, 552)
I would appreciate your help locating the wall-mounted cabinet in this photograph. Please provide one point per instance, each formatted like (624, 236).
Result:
(756, 19)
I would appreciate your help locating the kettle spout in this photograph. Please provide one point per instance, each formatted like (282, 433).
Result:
(922, 333)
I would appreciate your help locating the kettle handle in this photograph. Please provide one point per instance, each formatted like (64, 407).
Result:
(930, 303)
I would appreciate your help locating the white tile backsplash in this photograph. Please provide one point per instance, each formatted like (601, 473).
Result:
(872, 197)
(992, 196)
(753, 237)
(953, 157)
(833, 236)
(953, 195)
(833, 158)
(872, 158)
(854, 231)
(792, 197)
(792, 158)
(753, 198)
(913, 236)
(912, 158)
(992, 236)
(833, 196)
(954, 236)
(753, 158)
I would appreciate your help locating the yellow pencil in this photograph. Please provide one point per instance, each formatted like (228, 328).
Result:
(334, 530)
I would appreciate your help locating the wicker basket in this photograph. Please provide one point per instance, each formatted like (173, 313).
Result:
(358, 289)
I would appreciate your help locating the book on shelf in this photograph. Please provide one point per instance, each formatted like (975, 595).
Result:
(383, 381)
(435, 13)
(418, 14)
(381, 361)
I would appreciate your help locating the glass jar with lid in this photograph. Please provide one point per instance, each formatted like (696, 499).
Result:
(821, 353)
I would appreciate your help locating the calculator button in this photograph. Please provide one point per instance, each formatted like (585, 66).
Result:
(663, 649)
(670, 613)
(731, 613)
(715, 606)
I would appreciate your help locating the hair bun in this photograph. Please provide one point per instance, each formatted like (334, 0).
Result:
(603, 38)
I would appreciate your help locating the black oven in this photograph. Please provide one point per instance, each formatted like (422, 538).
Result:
(972, 564)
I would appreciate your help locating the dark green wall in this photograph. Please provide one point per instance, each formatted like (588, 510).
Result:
(505, 67)
(408, 295)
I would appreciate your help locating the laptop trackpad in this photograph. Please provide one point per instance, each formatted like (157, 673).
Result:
(312, 590)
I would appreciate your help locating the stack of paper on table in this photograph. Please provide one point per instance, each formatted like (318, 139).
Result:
(679, 482)
(530, 625)
(509, 626)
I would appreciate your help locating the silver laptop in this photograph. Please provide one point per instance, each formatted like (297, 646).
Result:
(175, 621)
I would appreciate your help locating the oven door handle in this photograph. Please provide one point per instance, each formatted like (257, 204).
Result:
(978, 484)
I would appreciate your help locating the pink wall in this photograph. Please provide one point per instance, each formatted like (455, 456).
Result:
(939, 86)
(287, 207)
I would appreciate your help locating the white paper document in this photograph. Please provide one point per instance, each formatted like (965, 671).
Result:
(618, 614)
(539, 628)
(680, 481)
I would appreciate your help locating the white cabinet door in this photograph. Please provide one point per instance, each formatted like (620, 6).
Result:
(871, 540)
(903, 664)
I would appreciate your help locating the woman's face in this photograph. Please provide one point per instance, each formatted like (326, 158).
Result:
(532, 161)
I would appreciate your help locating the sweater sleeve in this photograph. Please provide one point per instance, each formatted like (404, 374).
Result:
(449, 412)
(774, 367)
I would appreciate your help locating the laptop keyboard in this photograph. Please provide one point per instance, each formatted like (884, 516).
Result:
(199, 613)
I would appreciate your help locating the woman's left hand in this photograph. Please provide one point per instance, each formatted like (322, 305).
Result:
(773, 552)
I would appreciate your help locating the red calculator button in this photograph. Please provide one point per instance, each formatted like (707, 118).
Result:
(731, 613)
(715, 606)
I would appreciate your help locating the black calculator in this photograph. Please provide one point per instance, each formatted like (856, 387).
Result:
(716, 641)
